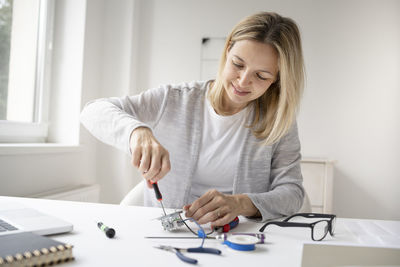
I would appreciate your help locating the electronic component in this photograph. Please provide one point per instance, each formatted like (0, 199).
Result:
(172, 221)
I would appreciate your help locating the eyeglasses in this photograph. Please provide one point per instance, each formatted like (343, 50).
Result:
(331, 217)
(319, 229)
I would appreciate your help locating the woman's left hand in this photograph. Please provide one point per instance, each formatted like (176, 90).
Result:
(219, 208)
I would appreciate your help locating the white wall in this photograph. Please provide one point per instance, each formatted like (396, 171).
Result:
(349, 111)
(107, 72)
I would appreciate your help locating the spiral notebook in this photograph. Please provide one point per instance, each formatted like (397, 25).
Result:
(29, 249)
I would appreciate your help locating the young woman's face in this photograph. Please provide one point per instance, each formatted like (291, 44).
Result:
(251, 67)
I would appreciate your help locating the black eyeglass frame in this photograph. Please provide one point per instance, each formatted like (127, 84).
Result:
(286, 223)
(332, 219)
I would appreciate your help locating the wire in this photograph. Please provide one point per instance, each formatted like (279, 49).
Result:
(203, 235)
(212, 231)
(190, 229)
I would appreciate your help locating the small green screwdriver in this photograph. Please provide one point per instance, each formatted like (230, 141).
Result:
(110, 233)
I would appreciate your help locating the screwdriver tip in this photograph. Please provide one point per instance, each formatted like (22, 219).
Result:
(163, 208)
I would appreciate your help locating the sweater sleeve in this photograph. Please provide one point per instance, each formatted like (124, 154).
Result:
(286, 193)
(112, 120)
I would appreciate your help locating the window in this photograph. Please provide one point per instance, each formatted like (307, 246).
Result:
(5, 37)
(25, 46)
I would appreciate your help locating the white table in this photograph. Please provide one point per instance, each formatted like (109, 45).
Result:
(129, 248)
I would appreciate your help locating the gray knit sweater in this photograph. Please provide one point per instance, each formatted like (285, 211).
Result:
(269, 175)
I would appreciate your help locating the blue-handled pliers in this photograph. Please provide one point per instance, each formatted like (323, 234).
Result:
(178, 252)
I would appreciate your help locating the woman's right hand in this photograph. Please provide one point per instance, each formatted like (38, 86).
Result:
(148, 155)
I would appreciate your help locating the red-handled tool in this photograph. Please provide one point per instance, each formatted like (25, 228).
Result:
(227, 227)
(158, 195)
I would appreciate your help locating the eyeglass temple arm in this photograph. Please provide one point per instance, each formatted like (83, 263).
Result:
(285, 224)
(309, 215)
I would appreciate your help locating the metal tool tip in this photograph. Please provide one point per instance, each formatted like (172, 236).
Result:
(163, 208)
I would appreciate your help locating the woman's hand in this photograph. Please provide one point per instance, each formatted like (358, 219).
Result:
(219, 209)
(148, 155)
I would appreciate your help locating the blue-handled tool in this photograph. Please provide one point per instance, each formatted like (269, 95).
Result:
(202, 250)
(181, 256)
(178, 254)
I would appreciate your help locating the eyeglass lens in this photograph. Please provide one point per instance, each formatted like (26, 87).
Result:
(320, 230)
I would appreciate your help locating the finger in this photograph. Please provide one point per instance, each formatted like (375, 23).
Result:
(213, 215)
(227, 218)
(149, 184)
(165, 167)
(155, 167)
(154, 178)
(186, 207)
(207, 213)
(136, 155)
(144, 164)
(198, 203)
(201, 201)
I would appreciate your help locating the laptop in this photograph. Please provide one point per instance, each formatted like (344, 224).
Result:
(15, 218)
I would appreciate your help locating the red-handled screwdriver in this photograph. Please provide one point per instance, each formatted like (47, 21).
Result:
(227, 227)
(158, 195)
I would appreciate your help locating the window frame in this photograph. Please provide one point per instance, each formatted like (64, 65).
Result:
(36, 131)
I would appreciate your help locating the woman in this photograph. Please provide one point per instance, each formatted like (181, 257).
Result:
(225, 147)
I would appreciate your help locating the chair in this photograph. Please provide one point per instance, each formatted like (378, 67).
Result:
(135, 198)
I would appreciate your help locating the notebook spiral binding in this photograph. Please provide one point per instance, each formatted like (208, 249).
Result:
(43, 257)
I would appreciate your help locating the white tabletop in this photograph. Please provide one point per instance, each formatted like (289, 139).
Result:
(130, 247)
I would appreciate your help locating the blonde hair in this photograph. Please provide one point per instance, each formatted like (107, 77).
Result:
(275, 110)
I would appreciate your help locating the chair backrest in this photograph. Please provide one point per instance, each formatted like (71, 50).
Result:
(135, 196)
